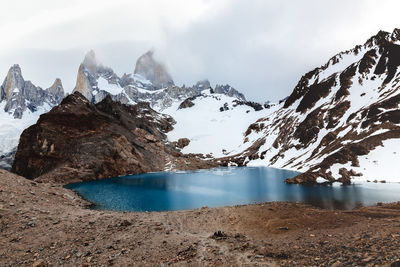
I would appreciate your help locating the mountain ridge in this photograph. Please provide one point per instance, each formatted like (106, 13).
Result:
(337, 118)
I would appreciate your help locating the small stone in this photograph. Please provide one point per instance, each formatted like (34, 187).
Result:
(368, 259)
(12, 204)
(39, 263)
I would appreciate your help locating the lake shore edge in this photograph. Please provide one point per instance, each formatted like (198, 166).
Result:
(43, 223)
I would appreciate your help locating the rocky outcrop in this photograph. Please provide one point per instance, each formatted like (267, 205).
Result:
(336, 116)
(155, 72)
(229, 91)
(182, 142)
(187, 103)
(80, 141)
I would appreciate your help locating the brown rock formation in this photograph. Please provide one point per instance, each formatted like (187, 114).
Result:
(78, 141)
(183, 142)
(82, 83)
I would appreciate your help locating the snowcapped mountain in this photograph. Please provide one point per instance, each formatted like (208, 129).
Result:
(21, 103)
(150, 83)
(213, 119)
(341, 122)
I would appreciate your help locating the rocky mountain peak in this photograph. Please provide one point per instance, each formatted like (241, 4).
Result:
(12, 82)
(82, 83)
(57, 90)
(90, 61)
(378, 39)
(21, 95)
(155, 72)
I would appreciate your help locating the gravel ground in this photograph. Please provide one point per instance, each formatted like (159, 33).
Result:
(43, 224)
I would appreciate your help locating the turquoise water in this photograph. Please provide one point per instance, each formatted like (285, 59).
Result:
(224, 187)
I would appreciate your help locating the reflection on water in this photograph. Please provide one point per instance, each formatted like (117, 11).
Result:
(224, 187)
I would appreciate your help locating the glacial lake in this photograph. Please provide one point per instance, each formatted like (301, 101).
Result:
(230, 186)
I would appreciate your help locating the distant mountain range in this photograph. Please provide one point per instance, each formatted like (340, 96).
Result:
(149, 83)
(21, 102)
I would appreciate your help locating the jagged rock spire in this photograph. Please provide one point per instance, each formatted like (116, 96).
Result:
(57, 90)
(14, 80)
(83, 85)
(90, 61)
(155, 72)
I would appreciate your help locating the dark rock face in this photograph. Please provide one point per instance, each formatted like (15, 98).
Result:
(183, 142)
(187, 103)
(79, 141)
(229, 91)
(256, 106)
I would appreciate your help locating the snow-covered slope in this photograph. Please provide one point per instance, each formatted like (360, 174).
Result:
(215, 124)
(21, 104)
(341, 122)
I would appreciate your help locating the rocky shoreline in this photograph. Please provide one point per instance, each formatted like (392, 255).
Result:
(43, 224)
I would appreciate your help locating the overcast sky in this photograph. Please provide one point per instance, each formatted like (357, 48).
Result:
(261, 48)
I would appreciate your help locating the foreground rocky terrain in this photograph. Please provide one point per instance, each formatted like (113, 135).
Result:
(80, 141)
(44, 224)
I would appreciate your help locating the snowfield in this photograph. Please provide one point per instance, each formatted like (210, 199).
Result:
(211, 131)
(11, 129)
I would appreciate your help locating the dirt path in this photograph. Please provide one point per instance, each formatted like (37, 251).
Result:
(46, 224)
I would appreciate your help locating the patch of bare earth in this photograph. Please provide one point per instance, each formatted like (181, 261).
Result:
(44, 224)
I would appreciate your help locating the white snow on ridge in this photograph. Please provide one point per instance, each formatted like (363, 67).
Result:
(345, 60)
(209, 129)
(113, 89)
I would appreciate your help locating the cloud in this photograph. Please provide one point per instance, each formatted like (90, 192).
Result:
(261, 48)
